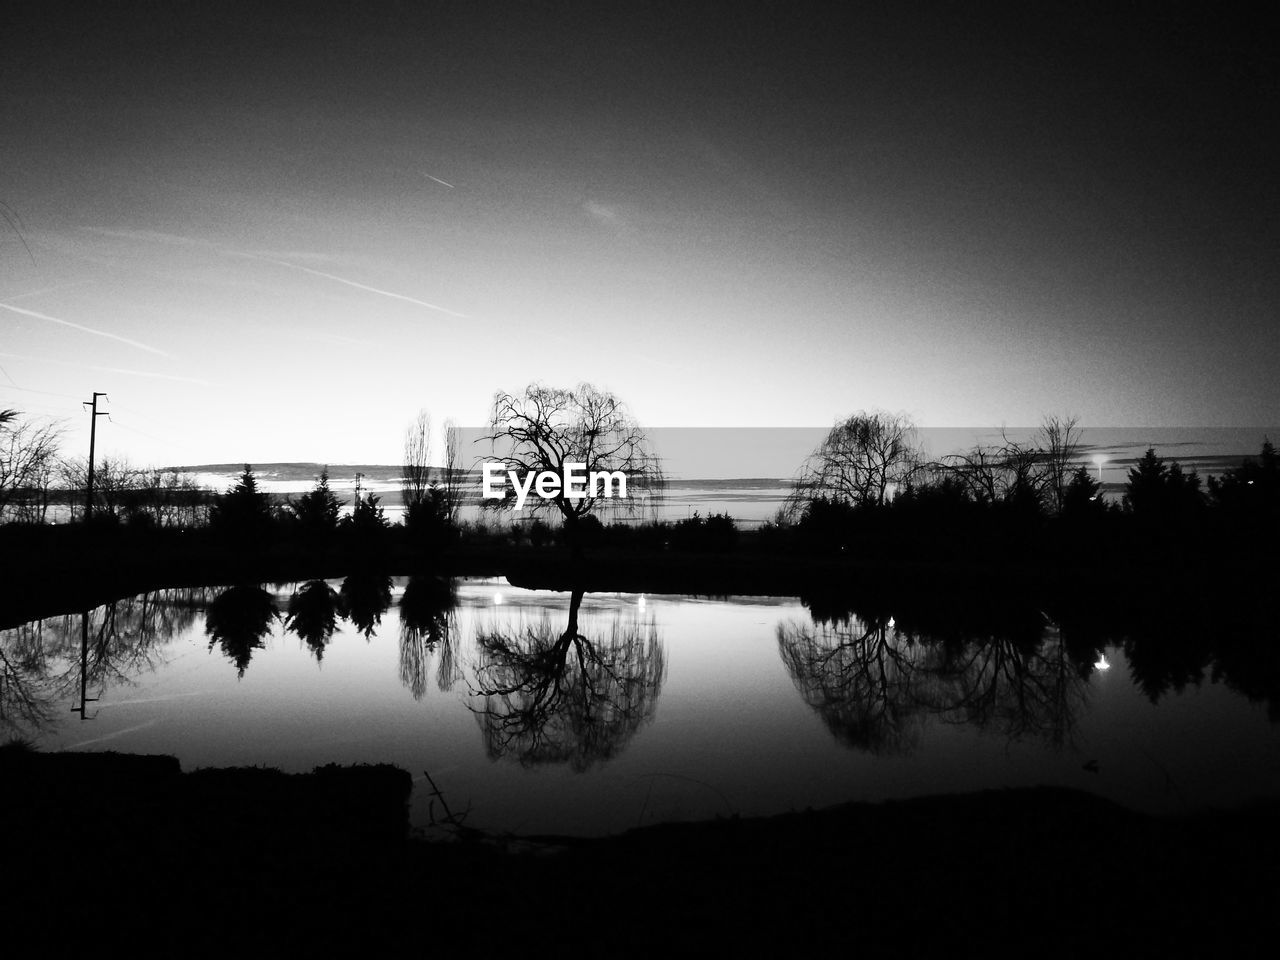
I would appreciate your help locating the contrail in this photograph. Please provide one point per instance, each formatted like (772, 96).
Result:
(94, 366)
(161, 699)
(439, 181)
(112, 736)
(83, 329)
(352, 283)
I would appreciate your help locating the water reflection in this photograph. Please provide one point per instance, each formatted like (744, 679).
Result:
(1176, 647)
(860, 677)
(366, 597)
(239, 620)
(427, 627)
(314, 610)
(876, 681)
(44, 662)
(559, 697)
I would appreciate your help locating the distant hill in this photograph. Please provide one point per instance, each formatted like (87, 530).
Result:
(299, 471)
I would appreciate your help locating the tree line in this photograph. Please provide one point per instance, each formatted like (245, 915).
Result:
(868, 485)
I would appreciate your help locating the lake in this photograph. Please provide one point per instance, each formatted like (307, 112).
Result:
(542, 712)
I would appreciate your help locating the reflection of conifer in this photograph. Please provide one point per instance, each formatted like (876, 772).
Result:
(366, 598)
(239, 619)
(313, 615)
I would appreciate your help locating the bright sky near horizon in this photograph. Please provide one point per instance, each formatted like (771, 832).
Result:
(275, 234)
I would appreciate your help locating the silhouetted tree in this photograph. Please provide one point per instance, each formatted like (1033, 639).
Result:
(545, 429)
(1082, 497)
(415, 477)
(243, 512)
(1159, 491)
(1058, 443)
(1251, 490)
(862, 462)
(366, 527)
(317, 510)
(28, 450)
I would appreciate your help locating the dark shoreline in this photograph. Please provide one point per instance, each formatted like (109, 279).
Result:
(70, 573)
(264, 861)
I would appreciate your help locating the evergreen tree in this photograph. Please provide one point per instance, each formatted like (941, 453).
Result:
(1082, 496)
(1161, 491)
(243, 511)
(317, 510)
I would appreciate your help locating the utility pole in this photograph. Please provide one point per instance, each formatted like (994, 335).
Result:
(93, 434)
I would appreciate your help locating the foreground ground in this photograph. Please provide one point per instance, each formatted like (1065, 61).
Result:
(107, 850)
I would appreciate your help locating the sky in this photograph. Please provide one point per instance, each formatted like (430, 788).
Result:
(275, 232)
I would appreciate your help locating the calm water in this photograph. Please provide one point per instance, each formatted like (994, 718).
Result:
(655, 708)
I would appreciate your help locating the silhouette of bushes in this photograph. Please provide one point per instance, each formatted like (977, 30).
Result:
(714, 533)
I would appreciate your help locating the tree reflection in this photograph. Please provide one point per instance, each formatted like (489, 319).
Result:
(1175, 646)
(875, 682)
(238, 620)
(314, 610)
(559, 697)
(45, 661)
(860, 677)
(427, 627)
(1016, 687)
(366, 597)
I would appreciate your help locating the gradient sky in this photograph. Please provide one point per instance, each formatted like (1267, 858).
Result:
(275, 235)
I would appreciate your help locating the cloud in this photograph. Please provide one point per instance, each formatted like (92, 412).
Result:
(602, 213)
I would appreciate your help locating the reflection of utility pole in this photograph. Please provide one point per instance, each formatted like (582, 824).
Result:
(93, 433)
(84, 664)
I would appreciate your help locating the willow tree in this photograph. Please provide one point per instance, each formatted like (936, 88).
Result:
(864, 460)
(547, 430)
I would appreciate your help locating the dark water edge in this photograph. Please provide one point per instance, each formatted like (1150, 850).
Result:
(74, 575)
(114, 850)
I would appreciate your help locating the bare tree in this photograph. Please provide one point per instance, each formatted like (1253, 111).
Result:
(451, 475)
(547, 430)
(865, 459)
(27, 452)
(416, 479)
(1059, 444)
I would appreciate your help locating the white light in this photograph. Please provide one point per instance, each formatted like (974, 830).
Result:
(891, 623)
(497, 599)
(640, 602)
(1102, 666)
